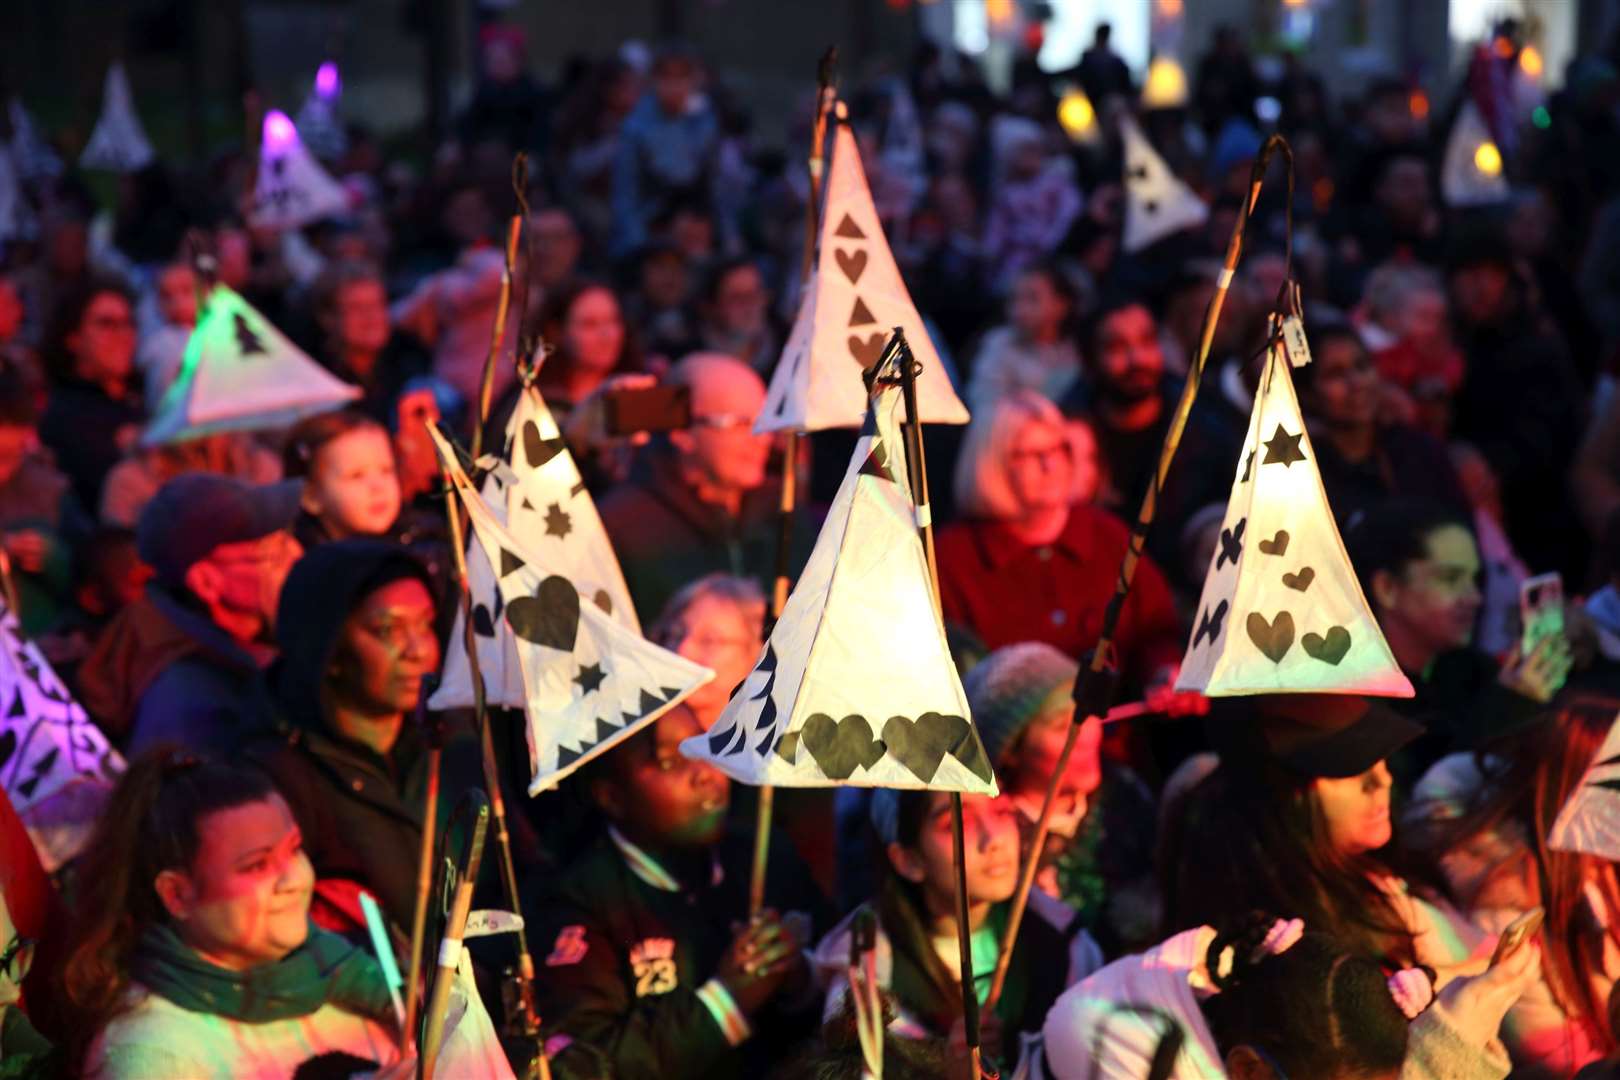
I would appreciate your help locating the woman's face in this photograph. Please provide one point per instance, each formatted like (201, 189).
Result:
(1035, 758)
(360, 312)
(740, 301)
(1035, 309)
(245, 899)
(103, 346)
(594, 331)
(353, 488)
(1356, 810)
(387, 644)
(990, 838)
(716, 633)
(1040, 467)
(1343, 392)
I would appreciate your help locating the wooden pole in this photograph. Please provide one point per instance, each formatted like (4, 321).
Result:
(1091, 689)
(424, 864)
(475, 806)
(790, 474)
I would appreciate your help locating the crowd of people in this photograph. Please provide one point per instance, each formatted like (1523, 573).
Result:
(1304, 886)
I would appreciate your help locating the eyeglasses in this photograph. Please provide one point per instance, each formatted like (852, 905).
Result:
(723, 421)
(1042, 455)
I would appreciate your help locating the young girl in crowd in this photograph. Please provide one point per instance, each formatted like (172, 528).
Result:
(192, 952)
(1487, 818)
(1036, 349)
(1296, 818)
(351, 488)
(918, 957)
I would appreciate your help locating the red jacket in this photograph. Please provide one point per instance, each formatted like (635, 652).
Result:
(1005, 591)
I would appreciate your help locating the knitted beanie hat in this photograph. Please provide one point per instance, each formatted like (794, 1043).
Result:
(1007, 689)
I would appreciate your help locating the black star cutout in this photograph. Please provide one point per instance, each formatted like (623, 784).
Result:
(558, 523)
(1248, 466)
(1283, 447)
(589, 678)
(1151, 206)
(1139, 173)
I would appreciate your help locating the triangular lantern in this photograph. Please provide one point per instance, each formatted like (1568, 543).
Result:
(1590, 821)
(55, 764)
(318, 121)
(856, 685)
(1281, 609)
(291, 190)
(241, 374)
(29, 153)
(1471, 172)
(1157, 202)
(852, 302)
(118, 143)
(548, 509)
(589, 682)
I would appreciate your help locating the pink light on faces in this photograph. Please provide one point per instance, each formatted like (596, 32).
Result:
(279, 132)
(327, 82)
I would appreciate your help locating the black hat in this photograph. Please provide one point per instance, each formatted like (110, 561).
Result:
(1330, 736)
(195, 513)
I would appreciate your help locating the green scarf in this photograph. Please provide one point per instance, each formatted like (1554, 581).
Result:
(326, 969)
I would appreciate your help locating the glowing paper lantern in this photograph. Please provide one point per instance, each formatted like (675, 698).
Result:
(1471, 172)
(1157, 203)
(291, 190)
(1590, 821)
(1078, 118)
(118, 143)
(1165, 86)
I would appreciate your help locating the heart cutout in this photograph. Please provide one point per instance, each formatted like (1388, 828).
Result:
(1329, 648)
(787, 748)
(1300, 580)
(921, 744)
(867, 351)
(550, 617)
(841, 746)
(1277, 545)
(537, 450)
(1273, 638)
(852, 263)
(603, 601)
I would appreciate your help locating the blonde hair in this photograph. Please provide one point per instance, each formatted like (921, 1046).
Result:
(982, 487)
(745, 594)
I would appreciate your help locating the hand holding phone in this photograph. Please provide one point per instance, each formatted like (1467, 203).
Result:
(1518, 932)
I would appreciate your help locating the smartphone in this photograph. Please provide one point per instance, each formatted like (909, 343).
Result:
(1541, 610)
(657, 408)
(1519, 931)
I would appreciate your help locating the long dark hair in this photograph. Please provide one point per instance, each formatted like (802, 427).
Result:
(150, 824)
(67, 317)
(554, 317)
(904, 915)
(1528, 788)
(1253, 837)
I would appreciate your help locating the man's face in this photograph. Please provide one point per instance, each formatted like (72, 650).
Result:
(250, 575)
(1435, 599)
(1403, 191)
(361, 313)
(740, 300)
(673, 82)
(1129, 363)
(1479, 291)
(721, 445)
(658, 796)
(556, 245)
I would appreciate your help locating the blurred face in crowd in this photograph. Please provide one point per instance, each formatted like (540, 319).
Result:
(11, 310)
(716, 632)
(673, 81)
(1029, 765)
(1355, 810)
(67, 248)
(244, 900)
(240, 583)
(955, 203)
(1422, 319)
(1036, 309)
(693, 233)
(234, 249)
(1344, 385)
(360, 317)
(556, 245)
(990, 850)
(177, 295)
(663, 279)
(466, 216)
(720, 451)
(1480, 291)
(1433, 601)
(1389, 118)
(17, 441)
(1403, 192)
(352, 486)
(103, 345)
(1128, 362)
(658, 797)
(502, 59)
(739, 302)
(1040, 467)
(593, 331)
(387, 644)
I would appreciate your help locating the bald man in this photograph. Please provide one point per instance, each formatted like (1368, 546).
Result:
(704, 502)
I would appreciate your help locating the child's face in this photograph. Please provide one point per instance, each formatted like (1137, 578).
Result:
(177, 296)
(353, 487)
(1038, 751)
(990, 837)
(661, 797)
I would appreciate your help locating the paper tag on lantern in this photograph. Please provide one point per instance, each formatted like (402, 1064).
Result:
(1293, 335)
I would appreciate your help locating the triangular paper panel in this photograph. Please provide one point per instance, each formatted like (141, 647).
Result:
(1471, 172)
(292, 189)
(1590, 821)
(817, 383)
(549, 511)
(118, 143)
(1157, 202)
(590, 683)
(856, 685)
(241, 374)
(317, 118)
(33, 158)
(55, 765)
(1281, 609)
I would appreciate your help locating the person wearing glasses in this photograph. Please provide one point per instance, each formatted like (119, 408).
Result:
(702, 500)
